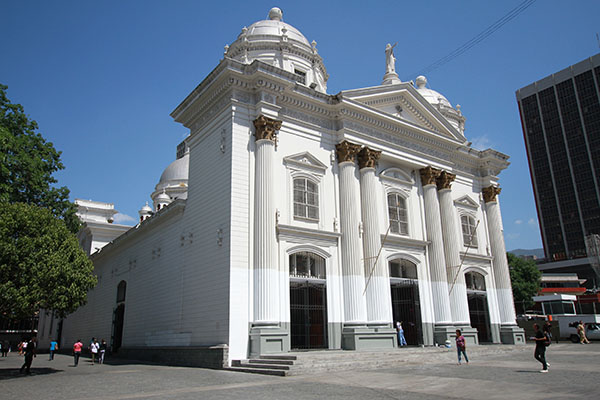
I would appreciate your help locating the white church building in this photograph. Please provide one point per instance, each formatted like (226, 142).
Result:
(297, 219)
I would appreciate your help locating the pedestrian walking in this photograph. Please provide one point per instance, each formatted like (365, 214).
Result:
(541, 341)
(102, 351)
(461, 346)
(5, 348)
(77, 351)
(53, 348)
(581, 331)
(400, 331)
(94, 347)
(29, 356)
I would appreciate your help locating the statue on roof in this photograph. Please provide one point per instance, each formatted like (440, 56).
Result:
(390, 60)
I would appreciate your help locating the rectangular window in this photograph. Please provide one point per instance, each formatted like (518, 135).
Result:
(306, 199)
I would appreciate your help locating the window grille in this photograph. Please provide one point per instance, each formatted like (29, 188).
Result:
(307, 265)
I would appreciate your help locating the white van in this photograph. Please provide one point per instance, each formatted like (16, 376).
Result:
(568, 326)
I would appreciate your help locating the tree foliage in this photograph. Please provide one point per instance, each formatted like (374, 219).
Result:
(41, 264)
(27, 162)
(525, 278)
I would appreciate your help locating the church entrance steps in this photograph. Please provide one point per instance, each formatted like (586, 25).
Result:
(310, 362)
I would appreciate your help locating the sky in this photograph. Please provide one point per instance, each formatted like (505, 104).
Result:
(102, 77)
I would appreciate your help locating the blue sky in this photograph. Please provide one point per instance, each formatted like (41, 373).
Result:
(101, 78)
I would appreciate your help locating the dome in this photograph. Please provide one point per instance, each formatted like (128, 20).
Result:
(274, 26)
(430, 95)
(279, 44)
(177, 171)
(163, 197)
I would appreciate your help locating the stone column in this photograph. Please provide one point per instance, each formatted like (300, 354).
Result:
(443, 329)
(459, 304)
(379, 299)
(357, 333)
(266, 335)
(509, 331)
(355, 310)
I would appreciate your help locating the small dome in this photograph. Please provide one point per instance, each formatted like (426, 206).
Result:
(163, 197)
(178, 170)
(430, 95)
(145, 210)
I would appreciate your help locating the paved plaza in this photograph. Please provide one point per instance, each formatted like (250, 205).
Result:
(495, 372)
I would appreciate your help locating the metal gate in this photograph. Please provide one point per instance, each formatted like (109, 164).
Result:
(308, 315)
(478, 312)
(406, 308)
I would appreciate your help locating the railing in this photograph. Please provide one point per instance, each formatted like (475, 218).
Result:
(17, 326)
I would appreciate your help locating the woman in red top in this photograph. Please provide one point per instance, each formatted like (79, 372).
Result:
(461, 346)
(77, 351)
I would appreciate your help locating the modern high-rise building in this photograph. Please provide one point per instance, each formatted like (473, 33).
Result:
(560, 115)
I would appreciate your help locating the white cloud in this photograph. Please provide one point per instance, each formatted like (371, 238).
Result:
(533, 222)
(123, 218)
(481, 142)
(518, 222)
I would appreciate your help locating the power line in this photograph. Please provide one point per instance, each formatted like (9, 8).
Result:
(477, 39)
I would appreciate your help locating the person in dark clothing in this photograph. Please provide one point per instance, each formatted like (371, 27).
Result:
(540, 347)
(29, 355)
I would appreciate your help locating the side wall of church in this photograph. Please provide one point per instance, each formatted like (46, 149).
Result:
(205, 304)
(152, 265)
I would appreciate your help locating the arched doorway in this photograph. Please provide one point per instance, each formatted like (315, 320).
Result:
(119, 317)
(405, 299)
(478, 305)
(308, 301)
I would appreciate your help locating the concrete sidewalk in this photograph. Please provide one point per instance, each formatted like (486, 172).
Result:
(495, 372)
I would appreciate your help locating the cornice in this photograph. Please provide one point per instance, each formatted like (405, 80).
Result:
(290, 231)
(476, 257)
(399, 127)
(174, 209)
(404, 241)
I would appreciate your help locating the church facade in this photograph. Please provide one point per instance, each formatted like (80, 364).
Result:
(296, 219)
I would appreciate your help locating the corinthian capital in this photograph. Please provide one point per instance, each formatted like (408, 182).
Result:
(266, 128)
(429, 175)
(444, 181)
(346, 151)
(490, 193)
(367, 158)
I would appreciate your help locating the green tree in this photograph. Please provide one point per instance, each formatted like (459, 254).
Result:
(525, 278)
(41, 264)
(27, 162)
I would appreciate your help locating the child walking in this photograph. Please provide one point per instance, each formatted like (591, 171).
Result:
(461, 346)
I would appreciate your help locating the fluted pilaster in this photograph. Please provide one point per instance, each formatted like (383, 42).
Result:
(379, 302)
(266, 279)
(353, 276)
(500, 263)
(437, 264)
(459, 304)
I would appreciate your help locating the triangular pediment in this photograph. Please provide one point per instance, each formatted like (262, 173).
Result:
(466, 201)
(305, 160)
(404, 102)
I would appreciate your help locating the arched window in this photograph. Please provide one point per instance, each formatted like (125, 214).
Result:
(306, 199)
(402, 268)
(307, 265)
(398, 214)
(475, 281)
(121, 291)
(468, 230)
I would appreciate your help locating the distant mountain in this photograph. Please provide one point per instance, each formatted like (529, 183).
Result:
(539, 253)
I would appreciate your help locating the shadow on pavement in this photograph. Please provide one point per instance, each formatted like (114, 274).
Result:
(12, 373)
